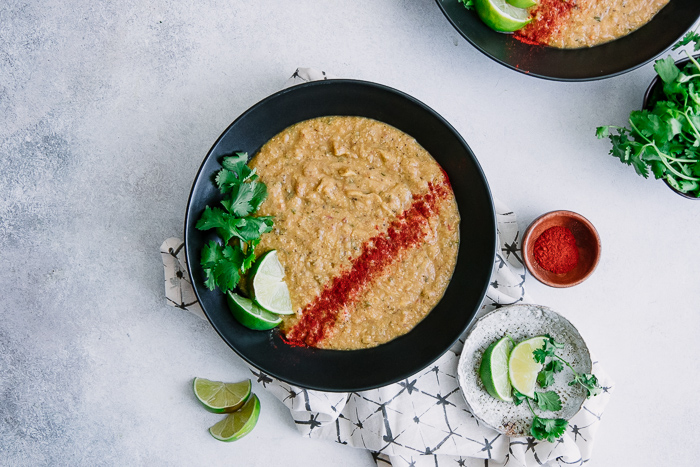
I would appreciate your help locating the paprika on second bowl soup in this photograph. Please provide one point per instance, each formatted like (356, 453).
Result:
(561, 248)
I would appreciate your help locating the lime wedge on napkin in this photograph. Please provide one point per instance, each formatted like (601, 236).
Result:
(220, 397)
(238, 424)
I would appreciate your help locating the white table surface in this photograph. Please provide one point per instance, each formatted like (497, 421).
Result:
(106, 111)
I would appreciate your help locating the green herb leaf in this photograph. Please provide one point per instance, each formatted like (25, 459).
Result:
(550, 429)
(548, 401)
(240, 232)
(545, 377)
(667, 69)
(588, 381)
(468, 4)
(518, 397)
(692, 37)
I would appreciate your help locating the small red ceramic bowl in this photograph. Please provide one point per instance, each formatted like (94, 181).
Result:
(587, 242)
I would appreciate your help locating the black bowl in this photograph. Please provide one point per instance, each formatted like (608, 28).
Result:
(655, 92)
(586, 64)
(355, 370)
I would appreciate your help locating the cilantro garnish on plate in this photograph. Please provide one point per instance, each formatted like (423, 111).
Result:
(666, 139)
(240, 232)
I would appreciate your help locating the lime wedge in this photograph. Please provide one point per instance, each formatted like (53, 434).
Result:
(220, 397)
(238, 424)
(522, 367)
(269, 289)
(502, 16)
(522, 3)
(494, 369)
(249, 314)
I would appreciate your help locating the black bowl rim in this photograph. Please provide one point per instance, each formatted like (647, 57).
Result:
(426, 108)
(646, 105)
(556, 78)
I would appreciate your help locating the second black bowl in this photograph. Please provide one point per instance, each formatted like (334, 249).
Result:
(585, 64)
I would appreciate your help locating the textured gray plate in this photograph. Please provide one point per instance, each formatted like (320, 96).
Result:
(521, 322)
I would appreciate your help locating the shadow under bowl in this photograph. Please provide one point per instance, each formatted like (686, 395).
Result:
(587, 242)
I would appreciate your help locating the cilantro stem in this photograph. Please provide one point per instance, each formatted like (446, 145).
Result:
(697, 65)
(567, 364)
(692, 125)
(664, 156)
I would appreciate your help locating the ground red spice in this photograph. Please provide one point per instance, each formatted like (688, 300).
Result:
(407, 231)
(556, 251)
(548, 16)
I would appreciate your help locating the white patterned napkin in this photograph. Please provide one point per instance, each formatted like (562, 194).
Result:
(423, 420)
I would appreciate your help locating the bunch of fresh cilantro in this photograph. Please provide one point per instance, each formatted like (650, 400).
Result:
(666, 139)
(552, 428)
(223, 263)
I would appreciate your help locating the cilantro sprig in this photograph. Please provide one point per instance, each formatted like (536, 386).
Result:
(666, 139)
(468, 4)
(556, 364)
(240, 232)
(550, 429)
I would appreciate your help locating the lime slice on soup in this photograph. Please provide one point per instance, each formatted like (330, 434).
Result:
(522, 367)
(251, 315)
(269, 289)
(238, 424)
(221, 397)
(502, 16)
(494, 369)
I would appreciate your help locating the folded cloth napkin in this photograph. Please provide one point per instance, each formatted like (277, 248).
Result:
(423, 420)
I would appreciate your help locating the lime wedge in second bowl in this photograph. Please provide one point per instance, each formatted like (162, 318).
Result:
(269, 289)
(238, 424)
(523, 3)
(501, 15)
(250, 315)
(522, 367)
(220, 397)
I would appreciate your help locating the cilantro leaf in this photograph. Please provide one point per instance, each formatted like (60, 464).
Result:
(240, 232)
(212, 218)
(468, 4)
(237, 164)
(691, 37)
(226, 275)
(518, 397)
(588, 381)
(548, 401)
(211, 254)
(603, 131)
(667, 69)
(239, 204)
(550, 429)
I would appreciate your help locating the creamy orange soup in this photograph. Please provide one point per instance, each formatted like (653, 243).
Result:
(585, 23)
(341, 189)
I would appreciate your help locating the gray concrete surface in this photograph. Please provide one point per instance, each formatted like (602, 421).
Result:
(106, 111)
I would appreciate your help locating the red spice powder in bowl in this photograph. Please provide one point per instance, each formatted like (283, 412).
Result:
(561, 248)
